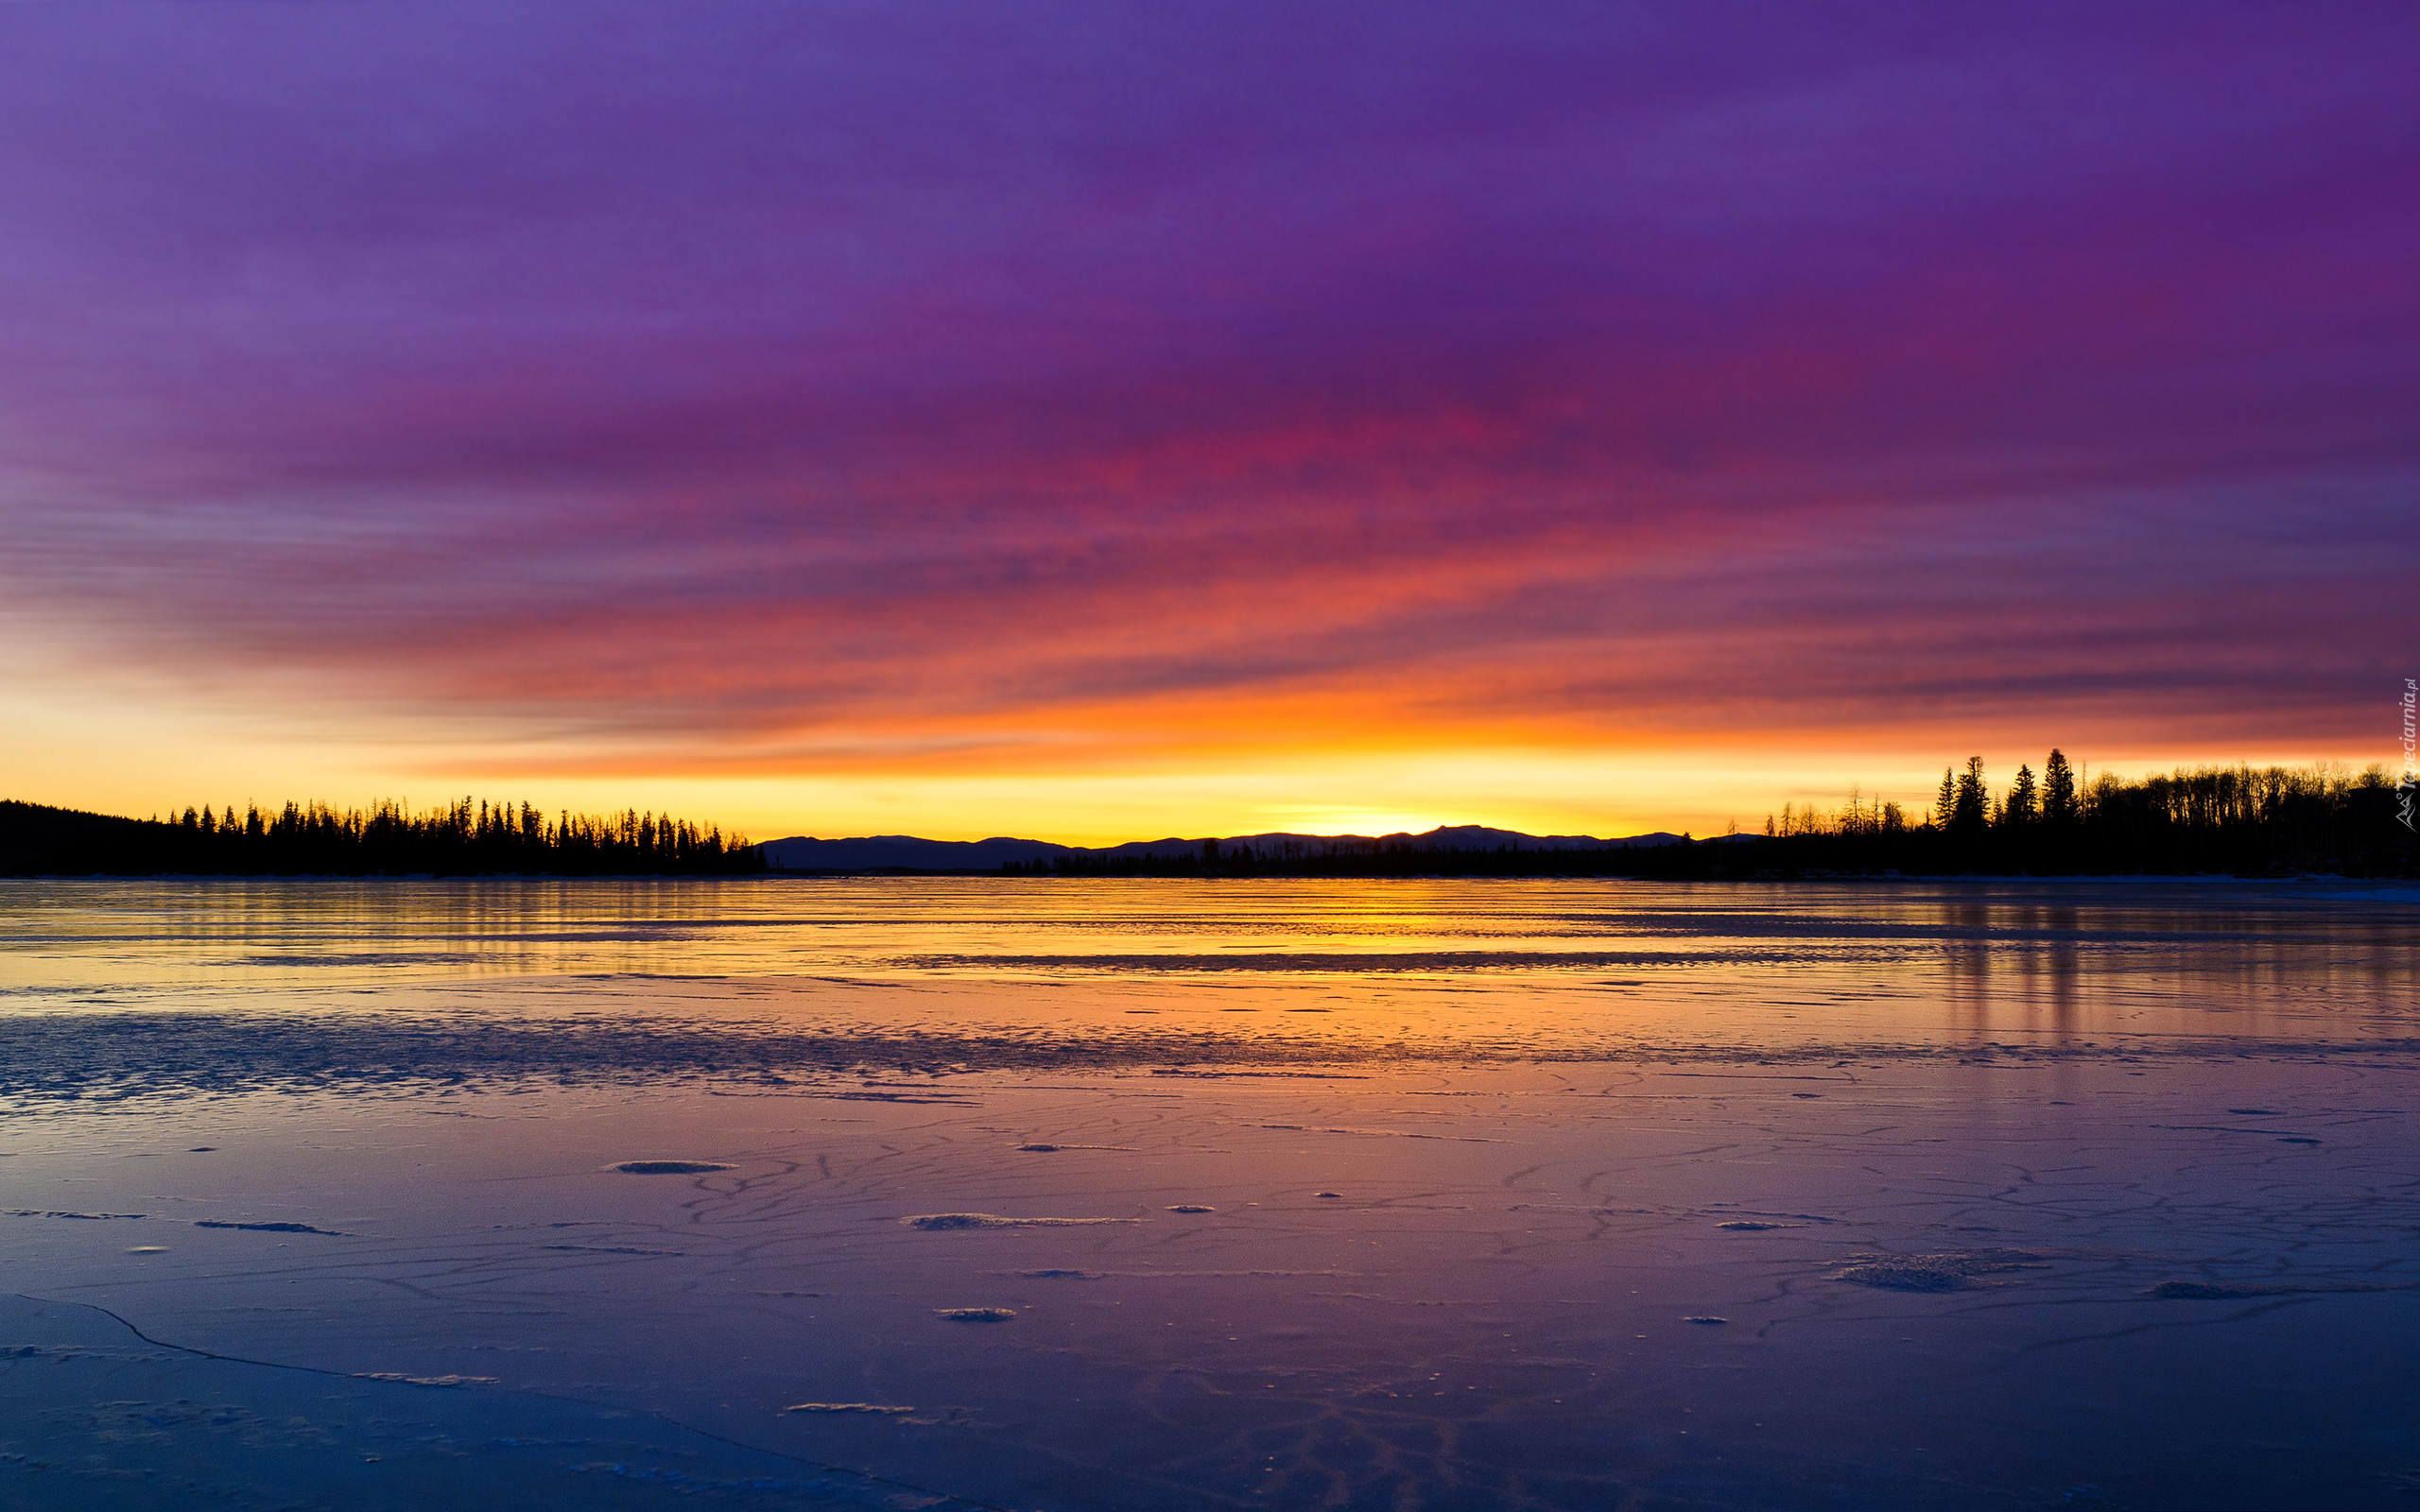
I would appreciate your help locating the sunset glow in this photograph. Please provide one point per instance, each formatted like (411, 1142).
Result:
(1097, 424)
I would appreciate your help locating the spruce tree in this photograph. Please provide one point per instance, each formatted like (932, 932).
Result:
(1971, 808)
(2058, 791)
(2021, 811)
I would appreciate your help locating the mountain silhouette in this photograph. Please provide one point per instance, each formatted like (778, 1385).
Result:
(908, 852)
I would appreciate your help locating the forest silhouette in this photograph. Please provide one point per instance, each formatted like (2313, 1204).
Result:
(2235, 820)
(2240, 819)
(457, 839)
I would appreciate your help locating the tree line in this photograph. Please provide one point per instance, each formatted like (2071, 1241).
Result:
(462, 839)
(2239, 819)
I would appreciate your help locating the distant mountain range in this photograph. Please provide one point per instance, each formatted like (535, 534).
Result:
(907, 852)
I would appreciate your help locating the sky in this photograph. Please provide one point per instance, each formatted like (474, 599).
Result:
(1100, 422)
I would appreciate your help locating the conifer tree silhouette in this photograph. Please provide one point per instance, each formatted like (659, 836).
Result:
(2022, 810)
(1971, 807)
(2058, 791)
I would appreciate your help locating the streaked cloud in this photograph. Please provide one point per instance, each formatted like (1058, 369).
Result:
(867, 394)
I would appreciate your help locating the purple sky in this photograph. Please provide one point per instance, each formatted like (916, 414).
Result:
(867, 397)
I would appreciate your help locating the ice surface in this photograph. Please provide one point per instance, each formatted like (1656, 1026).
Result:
(1953, 1271)
(1494, 1236)
(98, 1417)
(942, 1221)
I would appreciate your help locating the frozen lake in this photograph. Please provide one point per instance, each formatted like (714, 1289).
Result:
(1097, 1196)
